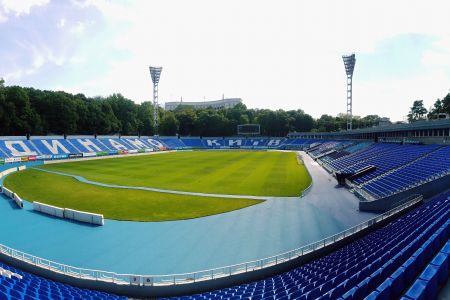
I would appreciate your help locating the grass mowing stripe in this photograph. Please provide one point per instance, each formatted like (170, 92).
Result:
(229, 173)
(242, 177)
(224, 164)
(119, 204)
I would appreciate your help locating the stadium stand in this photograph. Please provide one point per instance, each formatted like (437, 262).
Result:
(12, 148)
(224, 143)
(173, 143)
(396, 167)
(432, 278)
(85, 144)
(363, 155)
(114, 144)
(298, 144)
(429, 167)
(317, 149)
(407, 258)
(53, 146)
(256, 143)
(195, 143)
(16, 284)
(345, 151)
(393, 159)
(58, 147)
(213, 142)
(88, 145)
(383, 264)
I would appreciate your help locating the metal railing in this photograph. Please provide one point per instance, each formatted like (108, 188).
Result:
(187, 278)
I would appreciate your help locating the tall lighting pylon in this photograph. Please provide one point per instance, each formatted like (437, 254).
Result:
(349, 63)
(155, 73)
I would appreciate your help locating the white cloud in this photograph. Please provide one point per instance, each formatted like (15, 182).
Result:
(107, 8)
(40, 55)
(61, 23)
(78, 28)
(439, 54)
(3, 17)
(20, 7)
(77, 60)
(401, 93)
(283, 54)
(37, 61)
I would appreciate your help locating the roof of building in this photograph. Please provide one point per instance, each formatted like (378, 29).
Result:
(212, 102)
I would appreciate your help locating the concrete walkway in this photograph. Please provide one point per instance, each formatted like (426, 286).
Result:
(329, 197)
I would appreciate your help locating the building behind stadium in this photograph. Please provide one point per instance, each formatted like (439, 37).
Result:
(217, 104)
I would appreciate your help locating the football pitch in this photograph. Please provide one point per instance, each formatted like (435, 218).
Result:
(211, 172)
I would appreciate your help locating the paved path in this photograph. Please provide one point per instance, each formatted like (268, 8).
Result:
(328, 196)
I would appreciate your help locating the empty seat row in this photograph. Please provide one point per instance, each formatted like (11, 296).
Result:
(429, 167)
(434, 277)
(23, 285)
(60, 146)
(385, 261)
(363, 155)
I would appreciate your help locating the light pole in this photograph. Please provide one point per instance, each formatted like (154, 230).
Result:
(155, 73)
(349, 63)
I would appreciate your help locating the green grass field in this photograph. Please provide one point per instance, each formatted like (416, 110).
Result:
(118, 204)
(220, 172)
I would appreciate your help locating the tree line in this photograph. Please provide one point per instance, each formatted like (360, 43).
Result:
(40, 112)
(418, 111)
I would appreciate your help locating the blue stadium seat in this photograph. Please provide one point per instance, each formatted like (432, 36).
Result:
(32, 287)
(174, 143)
(380, 265)
(409, 170)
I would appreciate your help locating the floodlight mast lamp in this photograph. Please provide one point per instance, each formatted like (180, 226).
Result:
(349, 63)
(155, 73)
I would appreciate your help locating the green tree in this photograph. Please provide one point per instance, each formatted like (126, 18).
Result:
(125, 112)
(417, 111)
(273, 123)
(169, 124)
(437, 108)
(299, 121)
(327, 123)
(210, 122)
(446, 104)
(187, 118)
(24, 118)
(370, 120)
(28, 110)
(145, 119)
(7, 110)
(67, 117)
(101, 118)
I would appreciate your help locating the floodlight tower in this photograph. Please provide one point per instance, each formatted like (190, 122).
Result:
(155, 73)
(349, 63)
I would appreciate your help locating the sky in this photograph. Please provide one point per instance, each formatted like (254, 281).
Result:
(273, 54)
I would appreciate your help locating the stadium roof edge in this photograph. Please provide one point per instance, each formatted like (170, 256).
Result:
(428, 124)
